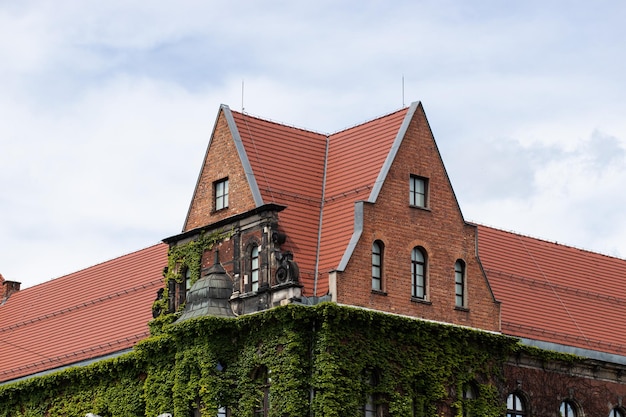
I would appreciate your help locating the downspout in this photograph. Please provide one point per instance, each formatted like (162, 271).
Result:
(319, 226)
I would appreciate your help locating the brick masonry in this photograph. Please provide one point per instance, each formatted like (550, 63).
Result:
(439, 229)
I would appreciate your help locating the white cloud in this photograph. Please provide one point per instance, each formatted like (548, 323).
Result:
(107, 107)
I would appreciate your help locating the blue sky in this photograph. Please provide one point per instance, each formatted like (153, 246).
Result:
(106, 109)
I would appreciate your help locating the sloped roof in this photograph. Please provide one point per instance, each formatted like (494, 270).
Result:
(288, 166)
(556, 293)
(84, 315)
(316, 175)
(355, 160)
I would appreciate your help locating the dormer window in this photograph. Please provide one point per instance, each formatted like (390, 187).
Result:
(418, 191)
(221, 194)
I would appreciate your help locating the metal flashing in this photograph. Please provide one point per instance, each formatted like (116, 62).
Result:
(356, 235)
(243, 156)
(378, 184)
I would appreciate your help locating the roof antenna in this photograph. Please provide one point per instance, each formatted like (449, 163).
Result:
(402, 90)
(242, 108)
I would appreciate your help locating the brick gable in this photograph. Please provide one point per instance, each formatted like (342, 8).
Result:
(439, 229)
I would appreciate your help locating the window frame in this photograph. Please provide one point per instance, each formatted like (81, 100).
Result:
(220, 194)
(418, 196)
(460, 281)
(568, 408)
(255, 267)
(378, 253)
(263, 378)
(419, 281)
(517, 405)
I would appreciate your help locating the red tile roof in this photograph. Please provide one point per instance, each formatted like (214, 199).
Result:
(355, 160)
(556, 293)
(288, 166)
(298, 168)
(87, 314)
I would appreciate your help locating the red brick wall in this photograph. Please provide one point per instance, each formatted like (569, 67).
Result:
(440, 230)
(222, 161)
(544, 390)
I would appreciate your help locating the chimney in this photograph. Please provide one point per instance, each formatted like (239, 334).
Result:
(7, 288)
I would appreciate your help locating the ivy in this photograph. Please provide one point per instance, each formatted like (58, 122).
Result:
(322, 361)
(184, 257)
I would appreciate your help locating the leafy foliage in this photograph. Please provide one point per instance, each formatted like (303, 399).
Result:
(322, 361)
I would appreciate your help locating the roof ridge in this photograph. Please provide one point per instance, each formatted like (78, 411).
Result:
(369, 120)
(276, 122)
(545, 240)
(90, 266)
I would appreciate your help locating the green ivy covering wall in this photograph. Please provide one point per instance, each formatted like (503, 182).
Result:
(321, 361)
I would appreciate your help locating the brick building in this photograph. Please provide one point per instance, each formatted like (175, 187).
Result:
(365, 217)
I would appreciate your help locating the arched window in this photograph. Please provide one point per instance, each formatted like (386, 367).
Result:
(377, 265)
(254, 268)
(418, 274)
(616, 412)
(459, 283)
(568, 409)
(515, 406)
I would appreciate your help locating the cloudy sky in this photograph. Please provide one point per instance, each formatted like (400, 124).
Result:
(106, 109)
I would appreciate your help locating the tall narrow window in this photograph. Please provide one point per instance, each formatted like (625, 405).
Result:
(377, 266)
(418, 191)
(459, 283)
(568, 409)
(418, 274)
(469, 395)
(262, 408)
(254, 268)
(221, 194)
(374, 405)
(515, 406)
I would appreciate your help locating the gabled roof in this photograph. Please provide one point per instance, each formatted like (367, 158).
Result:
(319, 178)
(556, 293)
(88, 314)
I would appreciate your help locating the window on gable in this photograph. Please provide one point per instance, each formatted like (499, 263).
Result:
(418, 191)
(254, 268)
(515, 406)
(221, 194)
(459, 283)
(568, 409)
(418, 273)
(377, 265)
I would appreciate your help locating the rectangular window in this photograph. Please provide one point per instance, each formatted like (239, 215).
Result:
(459, 283)
(418, 189)
(221, 194)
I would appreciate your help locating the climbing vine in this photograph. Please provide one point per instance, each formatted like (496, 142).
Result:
(185, 257)
(325, 360)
